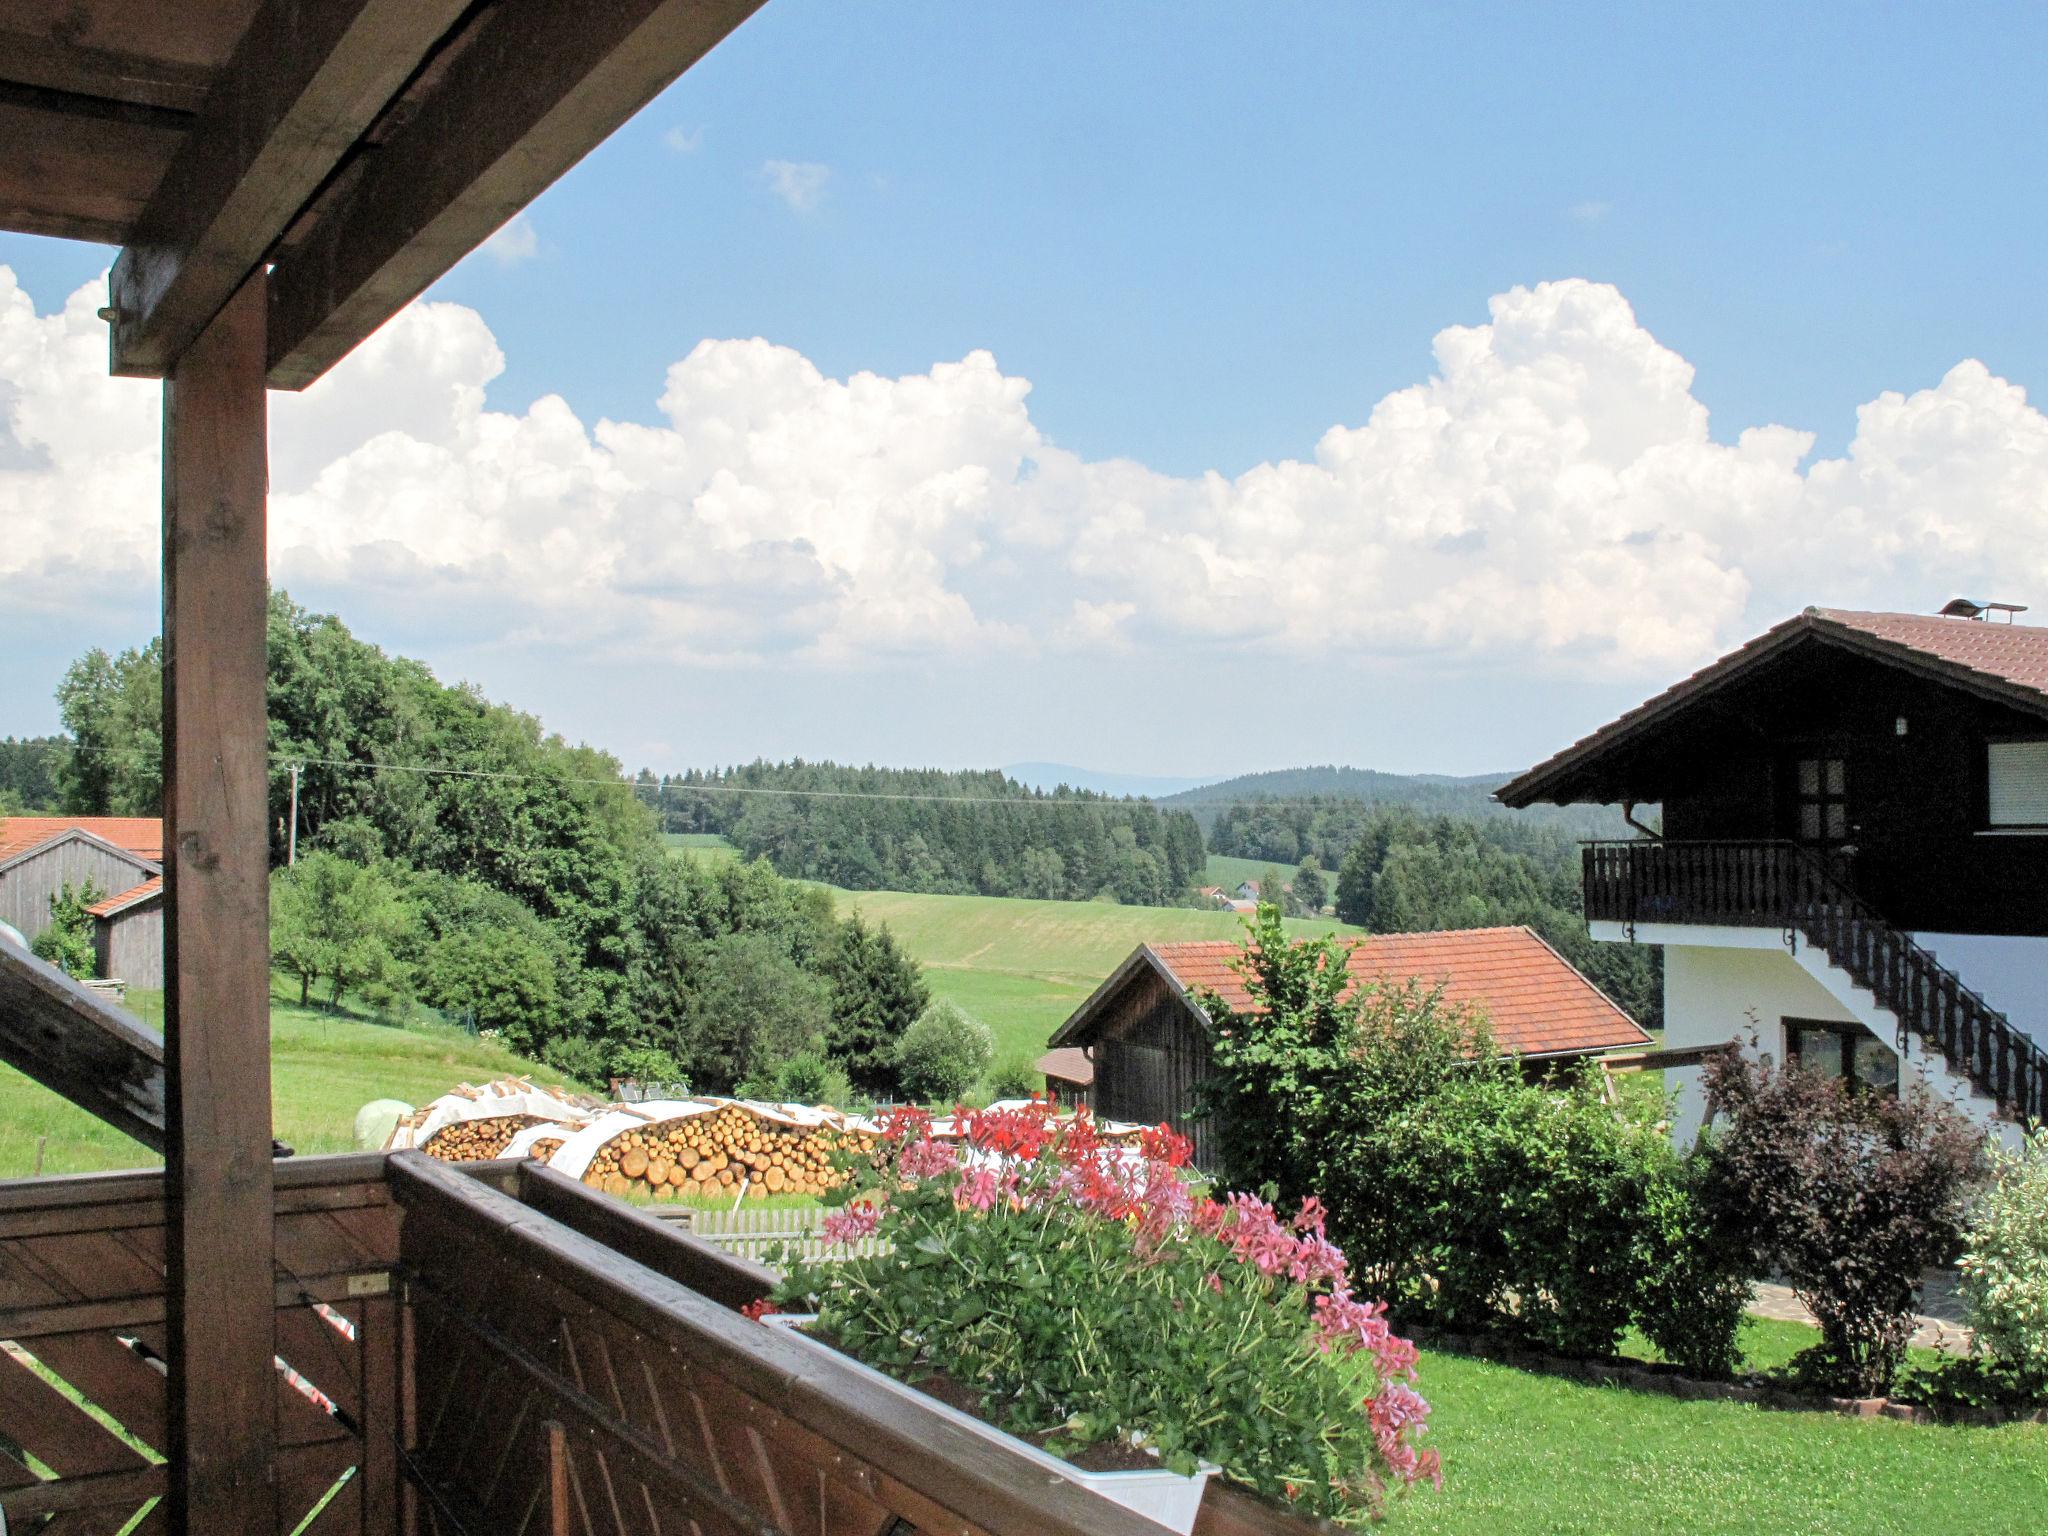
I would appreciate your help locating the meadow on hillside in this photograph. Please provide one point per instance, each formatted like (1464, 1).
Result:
(1022, 967)
(324, 1067)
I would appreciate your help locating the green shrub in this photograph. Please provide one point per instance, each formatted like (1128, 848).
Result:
(811, 1078)
(1015, 1079)
(1463, 1194)
(942, 1054)
(2004, 1266)
(654, 1068)
(1848, 1194)
(1692, 1282)
(67, 942)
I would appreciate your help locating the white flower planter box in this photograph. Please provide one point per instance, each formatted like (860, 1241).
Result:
(1162, 1496)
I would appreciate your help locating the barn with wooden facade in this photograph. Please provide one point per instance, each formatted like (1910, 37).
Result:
(1138, 1046)
(40, 855)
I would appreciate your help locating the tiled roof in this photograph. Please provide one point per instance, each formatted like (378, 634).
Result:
(2010, 653)
(1537, 1003)
(128, 898)
(2005, 661)
(1069, 1063)
(142, 836)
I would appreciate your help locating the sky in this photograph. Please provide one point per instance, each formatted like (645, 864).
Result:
(1174, 389)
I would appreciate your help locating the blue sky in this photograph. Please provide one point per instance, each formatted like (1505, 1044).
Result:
(1206, 235)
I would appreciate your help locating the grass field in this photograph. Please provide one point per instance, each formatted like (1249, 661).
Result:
(1022, 967)
(700, 845)
(1229, 873)
(324, 1067)
(1530, 1455)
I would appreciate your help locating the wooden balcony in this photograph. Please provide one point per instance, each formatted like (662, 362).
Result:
(496, 1350)
(1801, 894)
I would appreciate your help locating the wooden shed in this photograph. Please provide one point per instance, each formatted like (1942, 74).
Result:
(1143, 1042)
(128, 934)
(41, 855)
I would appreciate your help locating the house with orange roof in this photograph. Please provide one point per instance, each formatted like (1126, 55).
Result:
(1851, 868)
(1138, 1046)
(118, 856)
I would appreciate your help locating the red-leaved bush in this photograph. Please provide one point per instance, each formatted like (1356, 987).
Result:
(1850, 1195)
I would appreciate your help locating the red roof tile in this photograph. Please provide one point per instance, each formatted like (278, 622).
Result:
(2009, 653)
(1538, 1004)
(142, 836)
(1069, 1063)
(150, 887)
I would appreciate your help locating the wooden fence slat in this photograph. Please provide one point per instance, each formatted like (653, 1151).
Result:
(111, 1376)
(56, 1431)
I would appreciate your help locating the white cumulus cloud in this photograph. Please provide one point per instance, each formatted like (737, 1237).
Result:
(799, 183)
(1548, 496)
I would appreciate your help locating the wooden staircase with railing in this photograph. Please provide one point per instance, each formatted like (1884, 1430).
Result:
(1786, 886)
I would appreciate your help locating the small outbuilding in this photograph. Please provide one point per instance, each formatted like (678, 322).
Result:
(128, 934)
(1136, 1049)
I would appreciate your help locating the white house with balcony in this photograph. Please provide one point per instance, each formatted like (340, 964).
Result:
(1853, 859)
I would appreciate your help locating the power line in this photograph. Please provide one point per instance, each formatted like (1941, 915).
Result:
(678, 786)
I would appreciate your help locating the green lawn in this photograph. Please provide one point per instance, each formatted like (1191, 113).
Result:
(700, 845)
(1229, 873)
(1022, 967)
(324, 1067)
(1531, 1455)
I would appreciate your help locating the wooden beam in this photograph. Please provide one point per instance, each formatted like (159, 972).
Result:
(1657, 1060)
(75, 1043)
(77, 167)
(303, 85)
(219, 1237)
(540, 86)
(29, 58)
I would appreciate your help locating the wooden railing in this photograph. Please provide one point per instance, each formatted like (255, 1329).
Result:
(484, 1349)
(1785, 886)
(82, 1376)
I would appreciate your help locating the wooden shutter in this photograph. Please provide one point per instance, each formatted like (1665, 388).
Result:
(2019, 784)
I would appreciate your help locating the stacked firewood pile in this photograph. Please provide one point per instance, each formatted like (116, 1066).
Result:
(726, 1151)
(473, 1141)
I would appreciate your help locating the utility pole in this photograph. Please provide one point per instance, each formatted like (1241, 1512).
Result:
(292, 836)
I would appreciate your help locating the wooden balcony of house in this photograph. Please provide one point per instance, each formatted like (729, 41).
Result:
(488, 1348)
(1736, 884)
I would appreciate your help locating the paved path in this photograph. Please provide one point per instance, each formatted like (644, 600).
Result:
(1940, 1319)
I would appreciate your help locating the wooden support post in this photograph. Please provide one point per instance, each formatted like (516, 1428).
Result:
(219, 1246)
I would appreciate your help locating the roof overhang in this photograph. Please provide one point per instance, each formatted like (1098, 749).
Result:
(1079, 1028)
(1562, 778)
(355, 149)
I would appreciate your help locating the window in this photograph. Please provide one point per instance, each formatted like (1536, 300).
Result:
(2019, 783)
(1820, 787)
(1843, 1050)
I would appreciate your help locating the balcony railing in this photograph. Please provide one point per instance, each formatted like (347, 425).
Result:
(1791, 888)
(490, 1348)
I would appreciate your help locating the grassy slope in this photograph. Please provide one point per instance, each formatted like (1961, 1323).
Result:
(1528, 1455)
(1229, 873)
(1023, 966)
(324, 1068)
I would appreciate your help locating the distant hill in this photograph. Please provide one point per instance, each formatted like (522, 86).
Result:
(1429, 794)
(1050, 776)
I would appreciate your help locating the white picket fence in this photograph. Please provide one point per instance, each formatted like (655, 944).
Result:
(757, 1235)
